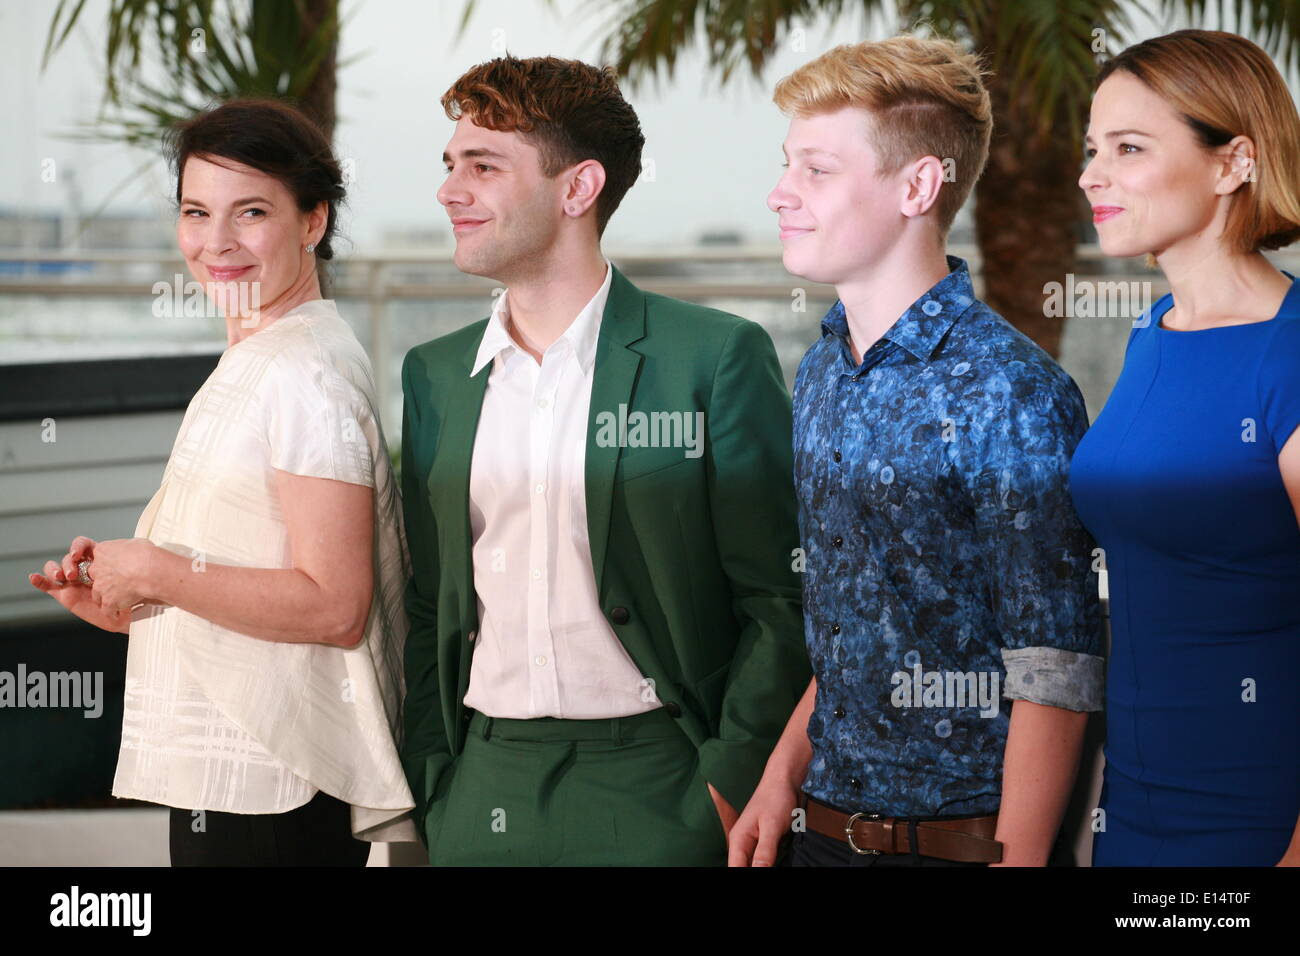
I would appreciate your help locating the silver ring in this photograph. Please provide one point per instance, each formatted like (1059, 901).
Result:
(83, 573)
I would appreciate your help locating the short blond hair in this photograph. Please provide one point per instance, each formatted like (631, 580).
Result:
(926, 97)
(1223, 86)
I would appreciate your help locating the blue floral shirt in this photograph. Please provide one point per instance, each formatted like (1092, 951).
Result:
(945, 571)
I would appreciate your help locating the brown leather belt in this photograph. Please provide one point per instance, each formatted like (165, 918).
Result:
(964, 840)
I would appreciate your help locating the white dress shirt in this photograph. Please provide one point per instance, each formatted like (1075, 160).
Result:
(544, 648)
(217, 720)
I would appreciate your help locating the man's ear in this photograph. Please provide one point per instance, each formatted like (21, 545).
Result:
(921, 184)
(585, 180)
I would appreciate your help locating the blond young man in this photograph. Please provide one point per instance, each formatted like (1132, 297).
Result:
(951, 616)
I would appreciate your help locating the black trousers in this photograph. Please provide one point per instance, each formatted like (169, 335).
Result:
(318, 833)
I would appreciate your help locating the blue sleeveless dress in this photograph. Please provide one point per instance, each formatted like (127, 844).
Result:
(1178, 481)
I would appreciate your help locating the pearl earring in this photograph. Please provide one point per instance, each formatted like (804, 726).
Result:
(310, 246)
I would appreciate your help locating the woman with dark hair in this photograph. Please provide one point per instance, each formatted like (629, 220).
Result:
(262, 589)
(1190, 477)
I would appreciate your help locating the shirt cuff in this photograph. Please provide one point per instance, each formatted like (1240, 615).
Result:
(1055, 677)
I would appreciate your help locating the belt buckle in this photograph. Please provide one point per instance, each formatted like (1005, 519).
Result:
(848, 832)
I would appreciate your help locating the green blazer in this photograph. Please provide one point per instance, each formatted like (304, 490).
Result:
(693, 556)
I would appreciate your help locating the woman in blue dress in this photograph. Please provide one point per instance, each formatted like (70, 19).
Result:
(1190, 477)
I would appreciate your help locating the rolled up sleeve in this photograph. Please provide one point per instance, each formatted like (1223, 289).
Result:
(1043, 590)
(1054, 677)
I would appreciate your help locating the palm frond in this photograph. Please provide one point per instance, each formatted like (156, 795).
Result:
(253, 47)
(1273, 24)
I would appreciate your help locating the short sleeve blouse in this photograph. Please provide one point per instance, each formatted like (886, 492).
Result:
(218, 720)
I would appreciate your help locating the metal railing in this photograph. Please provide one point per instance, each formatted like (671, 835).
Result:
(696, 273)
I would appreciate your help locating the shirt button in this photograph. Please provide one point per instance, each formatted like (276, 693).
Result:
(839, 711)
(542, 403)
(836, 454)
(835, 628)
(537, 574)
(837, 541)
(541, 661)
(540, 488)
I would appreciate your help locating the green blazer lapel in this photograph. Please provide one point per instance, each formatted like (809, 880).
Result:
(455, 454)
(613, 379)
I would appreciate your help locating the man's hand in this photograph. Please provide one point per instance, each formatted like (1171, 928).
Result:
(756, 836)
(726, 813)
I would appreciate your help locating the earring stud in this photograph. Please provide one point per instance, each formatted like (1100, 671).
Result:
(310, 246)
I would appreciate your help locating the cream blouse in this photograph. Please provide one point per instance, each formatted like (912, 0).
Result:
(218, 720)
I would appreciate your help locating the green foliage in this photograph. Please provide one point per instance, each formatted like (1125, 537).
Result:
(1050, 48)
(206, 51)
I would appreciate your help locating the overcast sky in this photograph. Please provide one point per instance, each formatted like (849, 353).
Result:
(716, 152)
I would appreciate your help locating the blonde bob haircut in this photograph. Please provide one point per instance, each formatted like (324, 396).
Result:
(926, 97)
(1224, 86)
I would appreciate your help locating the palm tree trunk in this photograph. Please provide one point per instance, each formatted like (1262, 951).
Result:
(317, 100)
(1027, 213)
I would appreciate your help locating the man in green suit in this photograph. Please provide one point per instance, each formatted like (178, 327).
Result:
(606, 635)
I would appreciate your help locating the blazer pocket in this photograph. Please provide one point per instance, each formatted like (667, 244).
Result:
(708, 691)
(640, 464)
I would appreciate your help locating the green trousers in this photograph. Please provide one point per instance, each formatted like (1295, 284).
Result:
(626, 791)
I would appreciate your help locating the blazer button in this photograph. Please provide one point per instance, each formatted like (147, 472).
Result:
(839, 711)
(619, 615)
(673, 709)
(471, 635)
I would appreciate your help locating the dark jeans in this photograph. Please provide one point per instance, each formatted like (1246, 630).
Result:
(815, 849)
(318, 833)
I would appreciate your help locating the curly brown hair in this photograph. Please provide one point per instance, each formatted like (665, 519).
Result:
(568, 110)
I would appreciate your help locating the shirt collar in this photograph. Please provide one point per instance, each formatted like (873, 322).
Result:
(580, 337)
(926, 321)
